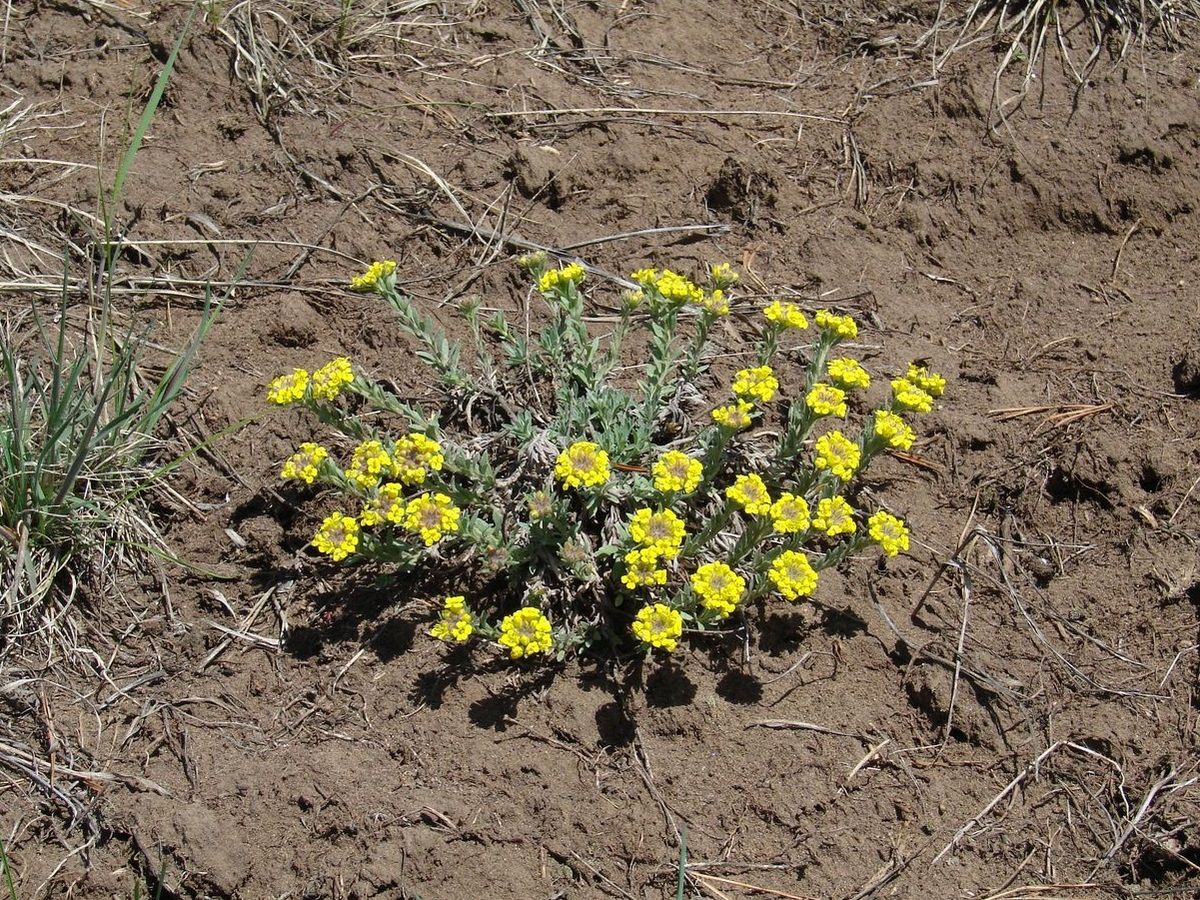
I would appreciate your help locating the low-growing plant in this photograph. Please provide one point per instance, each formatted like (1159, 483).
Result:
(591, 506)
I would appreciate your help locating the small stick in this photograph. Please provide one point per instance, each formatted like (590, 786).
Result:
(866, 759)
(1120, 250)
(808, 726)
(752, 887)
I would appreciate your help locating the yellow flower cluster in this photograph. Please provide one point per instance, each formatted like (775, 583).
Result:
(375, 277)
(930, 382)
(838, 454)
(676, 472)
(719, 588)
(758, 383)
(288, 388)
(785, 315)
(895, 432)
(414, 456)
(337, 537)
(908, 396)
(368, 464)
(432, 516)
(583, 464)
(642, 568)
(677, 289)
(659, 530)
(889, 532)
(526, 633)
(826, 400)
(659, 626)
(848, 373)
(834, 516)
(328, 381)
(716, 302)
(572, 273)
(305, 463)
(793, 575)
(734, 416)
(386, 506)
(454, 624)
(790, 514)
(750, 493)
(645, 277)
(722, 274)
(844, 327)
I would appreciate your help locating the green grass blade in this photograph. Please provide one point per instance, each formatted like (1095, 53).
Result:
(682, 881)
(8, 878)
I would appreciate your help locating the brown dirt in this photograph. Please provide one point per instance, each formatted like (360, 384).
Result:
(1048, 263)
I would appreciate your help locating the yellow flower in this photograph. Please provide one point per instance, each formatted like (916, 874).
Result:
(454, 623)
(889, 532)
(645, 277)
(540, 505)
(826, 400)
(386, 506)
(750, 493)
(838, 454)
(844, 327)
(633, 299)
(758, 383)
(572, 273)
(337, 536)
(526, 632)
(785, 315)
(930, 382)
(659, 626)
(661, 530)
(375, 277)
(910, 396)
(722, 274)
(414, 455)
(674, 287)
(288, 388)
(895, 432)
(719, 588)
(834, 516)
(641, 568)
(432, 516)
(583, 464)
(328, 381)
(716, 303)
(305, 463)
(848, 373)
(735, 416)
(368, 464)
(790, 514)
(676, 472)
(792, 574)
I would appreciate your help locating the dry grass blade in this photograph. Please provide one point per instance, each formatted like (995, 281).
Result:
(758, 889)
(1055, 416)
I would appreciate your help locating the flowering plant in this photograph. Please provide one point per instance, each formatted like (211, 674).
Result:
(595, 511)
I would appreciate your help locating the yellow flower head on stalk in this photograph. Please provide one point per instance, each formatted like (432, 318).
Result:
(432, 516)
(287, 389)
(843, 326)
(414, 455)
(834, 516)
(790, 514)
(716, 303)
(930, 382)
(454, 624)
(677, 289)
(838, 454)
(734, 416)
(910, 396)
(750, 493)
(661, 530)
(337, 537)
(792, 574)
(642, 568)
(540, 505)
(526, 633)
(572, 273)
(328, 381)
(785, 315)
(633, 299)
(583, 464)
(645, 277)
(895, 432)
(889, 532)
(368, 464)
(305, 463)
(826, 400)
(659, 626)
(375, 277)
(848, 373)
(758, 384)
(722, 275)
(676, 472)
(719, 588)
(386, 506)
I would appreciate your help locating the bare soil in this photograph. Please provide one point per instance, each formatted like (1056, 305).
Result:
(1010, 711)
